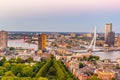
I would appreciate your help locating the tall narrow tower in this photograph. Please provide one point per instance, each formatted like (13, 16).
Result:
(109, 35)
(41, 41)
(108, 29)
(3, 40)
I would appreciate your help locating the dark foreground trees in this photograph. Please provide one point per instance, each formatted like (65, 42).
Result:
(50, 68)
(43, 71)
(54, 67)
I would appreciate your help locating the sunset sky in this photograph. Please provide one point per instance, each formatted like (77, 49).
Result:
(59, 15)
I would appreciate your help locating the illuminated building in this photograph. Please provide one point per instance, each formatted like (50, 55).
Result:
(42, 42)
(3, 39)
(118, 41)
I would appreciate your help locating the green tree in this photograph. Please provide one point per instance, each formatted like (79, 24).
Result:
(12, 60)
(18, 60)
(7, 65)
(68, 47)
(17, 68)
(9, 74)
(23, 78)
(60, 73)
(7, 78)
(91, 58)
(30, 59)
(2, 70)
(41, 78)
(96, 57)
(81, 65)
(19, 75)
(2, 61)
(52, 71)
(117, 66)
(93, 78)
(11, 48)
(84, 58)
(42, 72)
(27, 71)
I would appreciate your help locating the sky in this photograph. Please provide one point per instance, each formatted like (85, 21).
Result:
(59, 15)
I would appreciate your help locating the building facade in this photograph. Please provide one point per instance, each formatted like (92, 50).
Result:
(109, 35)
(111, 39)
(118, 41)
(42, 42)
(3, 40)
(108, 28)
(73, 34)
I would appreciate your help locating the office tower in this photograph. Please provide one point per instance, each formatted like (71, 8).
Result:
(109, 35)
(3, 39)
(118, 41)
(108, 28)
(41, 41)
(111, 39)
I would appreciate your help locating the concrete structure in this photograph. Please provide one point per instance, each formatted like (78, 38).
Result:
(42, 42)
(118, 41)
(111, 39)
(106, 75)
(73, 35)
(118, 60)
(73, 64)
(108, 28)
(109, 35)
(89, 35)
(3, 40)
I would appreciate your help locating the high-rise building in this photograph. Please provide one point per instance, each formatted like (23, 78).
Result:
(108, 28)
(109, 35)
(111, 39)
(118, 41)
(3, 40)
(42, 42)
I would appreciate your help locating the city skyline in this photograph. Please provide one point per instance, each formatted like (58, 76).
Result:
(59, 16)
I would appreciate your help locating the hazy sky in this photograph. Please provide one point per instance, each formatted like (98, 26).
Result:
(59, 15)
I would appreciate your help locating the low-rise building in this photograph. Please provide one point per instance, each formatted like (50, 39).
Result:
(105, 75)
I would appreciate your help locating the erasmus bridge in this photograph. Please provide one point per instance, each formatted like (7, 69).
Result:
(92, 47)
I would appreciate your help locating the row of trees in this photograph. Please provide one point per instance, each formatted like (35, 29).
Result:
(43, 71)
(13, 70)
(52, 68)
(23, 78)
(62, 72)
(17, 60)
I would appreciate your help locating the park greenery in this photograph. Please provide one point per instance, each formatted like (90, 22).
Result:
(91, 58)
(49, 69)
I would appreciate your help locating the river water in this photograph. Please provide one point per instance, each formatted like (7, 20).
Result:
(113, 55)
(21, 44)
